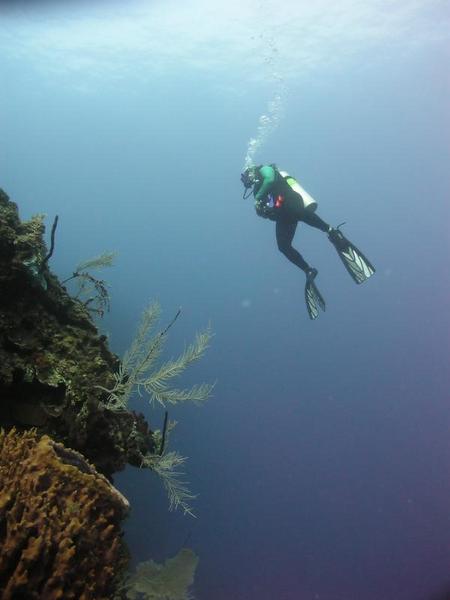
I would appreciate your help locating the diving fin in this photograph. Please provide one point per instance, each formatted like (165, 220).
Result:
(313, 297)
(358, 266)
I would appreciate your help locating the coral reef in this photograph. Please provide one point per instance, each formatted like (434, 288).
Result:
(59, 523)
(170, 581)
(66, 428)
(53, 362)
(138, 371)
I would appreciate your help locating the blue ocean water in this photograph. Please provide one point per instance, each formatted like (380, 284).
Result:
(322, 461)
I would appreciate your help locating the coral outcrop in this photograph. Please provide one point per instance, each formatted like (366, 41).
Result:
(59, 523)
(170, 581)
(65, 429)
(53, 361)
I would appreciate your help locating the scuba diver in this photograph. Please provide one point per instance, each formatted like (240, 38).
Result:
(280, 198)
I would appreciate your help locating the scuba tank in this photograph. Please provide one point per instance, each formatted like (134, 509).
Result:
(308, 201)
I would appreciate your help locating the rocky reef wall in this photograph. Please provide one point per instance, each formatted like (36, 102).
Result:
(53, 361)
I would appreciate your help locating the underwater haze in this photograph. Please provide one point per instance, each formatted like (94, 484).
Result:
(322, 461)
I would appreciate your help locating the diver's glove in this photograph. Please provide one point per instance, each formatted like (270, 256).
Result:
(261, 209)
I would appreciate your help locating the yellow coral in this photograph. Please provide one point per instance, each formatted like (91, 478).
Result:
(170, 581)
(59, 523)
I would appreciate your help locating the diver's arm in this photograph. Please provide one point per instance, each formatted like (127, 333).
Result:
(268, 174)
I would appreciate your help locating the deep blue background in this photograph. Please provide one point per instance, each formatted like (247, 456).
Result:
(322, 461)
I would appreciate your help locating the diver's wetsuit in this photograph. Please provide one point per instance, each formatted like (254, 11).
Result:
(287, 215)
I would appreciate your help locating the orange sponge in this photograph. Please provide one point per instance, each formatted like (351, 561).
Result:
(59, 523)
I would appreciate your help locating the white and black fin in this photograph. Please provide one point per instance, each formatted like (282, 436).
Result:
(313, 297)
(358, 266)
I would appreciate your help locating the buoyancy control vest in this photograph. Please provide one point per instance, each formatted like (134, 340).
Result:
(284, 186)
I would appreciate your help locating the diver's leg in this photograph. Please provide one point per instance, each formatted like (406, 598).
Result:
(285, 231)
(312, 219)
